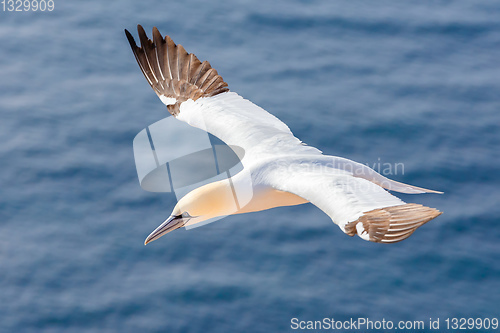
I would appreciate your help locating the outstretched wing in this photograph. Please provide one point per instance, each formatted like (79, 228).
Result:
(195, 93)
(350, 193)
(355, 203)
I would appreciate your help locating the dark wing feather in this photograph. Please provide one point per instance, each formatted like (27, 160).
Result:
(393, 224)
(172, 72)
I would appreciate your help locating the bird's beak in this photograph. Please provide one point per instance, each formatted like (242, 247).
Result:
(170, 224)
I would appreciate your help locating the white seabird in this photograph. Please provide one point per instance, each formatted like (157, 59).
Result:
(281, 169)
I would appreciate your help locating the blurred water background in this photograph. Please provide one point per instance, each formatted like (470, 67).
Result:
(416, 83)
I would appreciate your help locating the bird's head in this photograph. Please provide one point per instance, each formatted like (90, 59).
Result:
(204, 203)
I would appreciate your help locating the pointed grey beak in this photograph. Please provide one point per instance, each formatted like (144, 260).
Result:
(170, 224)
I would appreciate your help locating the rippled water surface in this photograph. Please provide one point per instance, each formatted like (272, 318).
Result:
(378, 82)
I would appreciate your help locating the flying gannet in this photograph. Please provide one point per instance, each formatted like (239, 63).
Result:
(283, 171)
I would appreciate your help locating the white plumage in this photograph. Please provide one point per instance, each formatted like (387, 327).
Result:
(279, 170)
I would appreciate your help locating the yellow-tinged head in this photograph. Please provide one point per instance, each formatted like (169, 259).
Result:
(206, 202)
(222, 198)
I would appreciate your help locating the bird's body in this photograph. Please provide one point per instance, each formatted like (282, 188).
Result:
(279, 170)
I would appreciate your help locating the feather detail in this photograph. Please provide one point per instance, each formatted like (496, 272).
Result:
(391, 224)
(172, 72)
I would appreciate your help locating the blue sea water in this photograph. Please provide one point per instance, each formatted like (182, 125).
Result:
(416, 83)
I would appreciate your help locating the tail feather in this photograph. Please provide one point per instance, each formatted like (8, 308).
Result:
(393, 185)
(363, 171)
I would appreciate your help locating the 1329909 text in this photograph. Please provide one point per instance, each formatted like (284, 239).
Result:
(27, 5)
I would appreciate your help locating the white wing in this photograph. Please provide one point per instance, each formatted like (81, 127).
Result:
(349, 192)
(356, 205)
(197, 95)
(239, 122)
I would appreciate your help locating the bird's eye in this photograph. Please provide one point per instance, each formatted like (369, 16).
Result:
(185, 214)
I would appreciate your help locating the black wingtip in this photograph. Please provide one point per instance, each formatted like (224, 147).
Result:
(130, 39)
(142, 35)
(160, 59)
